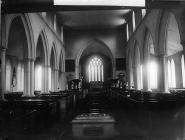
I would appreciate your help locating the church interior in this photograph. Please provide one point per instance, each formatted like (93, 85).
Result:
(92, 72)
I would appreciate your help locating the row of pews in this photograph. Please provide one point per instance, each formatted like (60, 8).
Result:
(147, 99)
(42, 108)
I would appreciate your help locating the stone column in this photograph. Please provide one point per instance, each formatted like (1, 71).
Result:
(3, 72)
(77, 71)
(63, 86)
(114, 70)
(56, 86)
(46, 79)
(145, 76)
(3, 54)
(135, 79)
(162, 75)
(27, 63)
(32, 77)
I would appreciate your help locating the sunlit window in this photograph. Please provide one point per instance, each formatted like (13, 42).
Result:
(141, 79)
(183, 70)
(55, 22)
(8, 75)
(43, 14)
(95, 69)
(49, 78)
(38, 78)
(171, 74)
(133, 21)
(143, 12)
(152, 71)
(127, 32)
(62, 33)
(20, 77)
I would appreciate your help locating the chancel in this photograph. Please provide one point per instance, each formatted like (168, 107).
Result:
(92, 70)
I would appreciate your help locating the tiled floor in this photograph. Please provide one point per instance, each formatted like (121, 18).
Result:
(96, 122)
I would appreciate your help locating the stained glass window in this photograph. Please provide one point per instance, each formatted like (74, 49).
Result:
(95, 69)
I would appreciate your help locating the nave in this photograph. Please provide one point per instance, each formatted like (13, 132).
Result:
(92, 72)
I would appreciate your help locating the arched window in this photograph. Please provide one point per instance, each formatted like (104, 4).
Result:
(143, 12)
(183, 70)
(38, 77)
(141, 72)
(171, 74)
(137, 68)
(127, 31)
(133, 20)
(55, 22)
(152, 66)
(50, 77)
(8, 75)
(20, 77)
(95, 69)
(43, 14)
(173, 49)
(152, 74)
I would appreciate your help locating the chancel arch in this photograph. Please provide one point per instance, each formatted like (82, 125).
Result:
(96, 50)
(19, 55)
(174, 53)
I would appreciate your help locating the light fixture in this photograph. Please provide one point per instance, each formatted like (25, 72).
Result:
(135, 3)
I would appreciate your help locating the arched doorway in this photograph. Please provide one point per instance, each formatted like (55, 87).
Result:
(17, 72)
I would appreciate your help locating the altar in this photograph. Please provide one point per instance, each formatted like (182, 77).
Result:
(93, 126)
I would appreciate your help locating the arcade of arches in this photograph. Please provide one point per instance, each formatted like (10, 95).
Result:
(33, 56)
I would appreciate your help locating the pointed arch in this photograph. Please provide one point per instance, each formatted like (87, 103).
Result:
(137, 67)
(43, 37)
(93, 43)
(150, 69)
(28, 30)
(53, 50)
(173, 51)
(53, 69)
(19, 36)
(173, 39)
